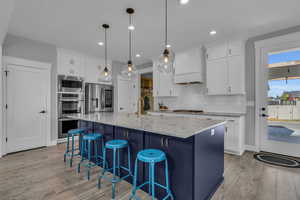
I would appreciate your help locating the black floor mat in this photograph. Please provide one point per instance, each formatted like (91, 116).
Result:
(278, 160)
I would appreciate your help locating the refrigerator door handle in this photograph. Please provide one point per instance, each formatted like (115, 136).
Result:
(102, 98)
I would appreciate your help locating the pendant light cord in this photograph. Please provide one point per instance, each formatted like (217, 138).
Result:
(130, 38)
(166, 23)
(105, 38)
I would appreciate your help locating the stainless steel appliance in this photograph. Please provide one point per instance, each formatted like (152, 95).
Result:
(70, 101)
(70, 84)
(98, 98)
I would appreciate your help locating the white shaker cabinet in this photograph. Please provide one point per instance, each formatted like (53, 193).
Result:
(217, 79)
(225, 69)
(163, 84)
(70, 63)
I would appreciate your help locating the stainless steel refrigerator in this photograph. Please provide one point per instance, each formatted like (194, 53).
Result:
(98, 98)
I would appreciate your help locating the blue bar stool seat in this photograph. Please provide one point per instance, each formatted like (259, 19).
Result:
(116, 146)
(151, 157)
(92, 156)
(73, 152)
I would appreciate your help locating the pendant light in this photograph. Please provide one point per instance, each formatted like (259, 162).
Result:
(106, 74)
(130, 70)
(165, 63)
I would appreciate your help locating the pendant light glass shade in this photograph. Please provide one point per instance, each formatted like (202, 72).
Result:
(130, 71)
(106, 73)
(166, 60)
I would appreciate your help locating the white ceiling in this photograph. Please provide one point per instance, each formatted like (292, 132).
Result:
(74, 23)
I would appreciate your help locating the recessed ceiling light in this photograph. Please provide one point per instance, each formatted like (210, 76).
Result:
(213, 32)
(183, 2)
(131, 27)
(100, 43)
(168, 46)
(138, 55)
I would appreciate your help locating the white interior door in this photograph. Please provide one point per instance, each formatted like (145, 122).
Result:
(125, 95)
(26, 96)
(264, 126)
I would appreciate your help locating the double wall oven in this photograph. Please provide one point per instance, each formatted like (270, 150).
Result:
(70, 101)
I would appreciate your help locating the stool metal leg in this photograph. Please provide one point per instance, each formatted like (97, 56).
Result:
(152, 166)
(67, 149)
(103, 168)
(134, 180)
(114, 174)
(72, 153)
(82, 155)
(169, 193)
(89, 160)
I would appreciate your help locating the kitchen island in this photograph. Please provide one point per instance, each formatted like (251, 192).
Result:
(194, 148)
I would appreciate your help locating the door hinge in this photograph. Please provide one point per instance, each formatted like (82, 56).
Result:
(6, 139)
(6, 106)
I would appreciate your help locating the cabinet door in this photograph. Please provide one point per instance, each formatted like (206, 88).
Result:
(216, 52)
(236, 75)
(165, 85)
(180, 160)
(217, 77)
(70, 63)
(135, 140)
(231, 136)
(235, 48)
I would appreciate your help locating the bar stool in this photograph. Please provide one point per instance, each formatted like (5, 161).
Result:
(116, 146)
(71, 153)
(151, 157)
(91, 155)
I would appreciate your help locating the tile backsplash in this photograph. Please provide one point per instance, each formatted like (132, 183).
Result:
(194, 97)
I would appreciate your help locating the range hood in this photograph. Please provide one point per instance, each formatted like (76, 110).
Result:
(189, 67)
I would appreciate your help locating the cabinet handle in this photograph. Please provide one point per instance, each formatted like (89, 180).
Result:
(127, 134)
(212, 132)
(124, 133)
(162, 142)
(167, 142)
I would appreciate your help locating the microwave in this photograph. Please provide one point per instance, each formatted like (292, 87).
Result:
(70, 84)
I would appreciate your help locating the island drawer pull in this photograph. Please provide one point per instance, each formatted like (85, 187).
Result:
(161, 141)
(167, 142)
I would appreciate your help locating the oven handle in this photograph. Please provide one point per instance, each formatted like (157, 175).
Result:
(102, 98)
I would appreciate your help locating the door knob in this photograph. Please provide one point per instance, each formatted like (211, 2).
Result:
(264, 115)
(43, 112)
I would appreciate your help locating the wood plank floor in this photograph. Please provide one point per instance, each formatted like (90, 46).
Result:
(42, 175)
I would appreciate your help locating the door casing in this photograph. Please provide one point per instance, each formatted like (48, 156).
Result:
(7, 60)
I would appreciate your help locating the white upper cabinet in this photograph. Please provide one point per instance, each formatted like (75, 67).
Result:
(225, 69)
(216, 79)
(70, 63)
(216, 52)
(94, 68)
(189, 66)
(163, 84)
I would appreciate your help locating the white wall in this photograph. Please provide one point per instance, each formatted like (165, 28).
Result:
(6, 9)
(20, 47)
(1, 104)
(194, 97)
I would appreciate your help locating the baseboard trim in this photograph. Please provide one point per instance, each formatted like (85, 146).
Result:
(52, 143)
(251, 148)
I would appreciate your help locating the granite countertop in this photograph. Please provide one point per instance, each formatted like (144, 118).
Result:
(181, 127)
(201, 113)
